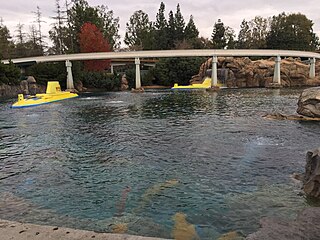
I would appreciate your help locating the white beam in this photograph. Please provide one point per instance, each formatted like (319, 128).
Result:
(169, 53)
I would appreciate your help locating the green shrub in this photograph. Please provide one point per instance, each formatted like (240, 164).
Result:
(177, 70)
(9, 74)
(101, 80)
(44, 72)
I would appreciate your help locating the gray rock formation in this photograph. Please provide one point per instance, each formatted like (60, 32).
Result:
(124, 83)
(309, 102)
(311, 181)
(243, 72)
(304, 227)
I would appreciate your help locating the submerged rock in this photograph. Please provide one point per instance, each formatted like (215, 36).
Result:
(305, 226)
(280, 116)
(309, 103)
(311, 181)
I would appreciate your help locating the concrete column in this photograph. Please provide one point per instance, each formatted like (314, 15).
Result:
(214, 74)
(69, 76)
(138, 77)
(312, 73)
(111, 68)
(277, 76)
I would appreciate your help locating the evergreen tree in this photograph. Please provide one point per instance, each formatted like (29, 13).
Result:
(179, 25)
(59, 33)
(218, 35)
(171, 32)
(139, 32)
(191, 31)
(6, 44)
(161, 39)
(244, 36)
(292, 32)
(110, 26)
(40, 36)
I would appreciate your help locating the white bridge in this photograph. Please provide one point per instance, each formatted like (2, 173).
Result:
(214, 53)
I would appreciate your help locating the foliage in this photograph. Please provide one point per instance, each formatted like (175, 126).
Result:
(292, 32)
(147, 77)
(176, 70)
(160, 37)
(44, 72)
(191, 32)
(92, 40)
(5, 42)
(81, 13)
(139, 33)
(9, 74)
(101, 80)
(253, 34)
(179, 25)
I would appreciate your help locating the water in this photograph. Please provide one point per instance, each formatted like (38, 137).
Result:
(126, 161)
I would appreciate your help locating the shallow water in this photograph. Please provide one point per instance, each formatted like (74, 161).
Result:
(138, 159)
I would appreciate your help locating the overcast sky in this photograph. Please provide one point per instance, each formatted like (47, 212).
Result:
(205, 12)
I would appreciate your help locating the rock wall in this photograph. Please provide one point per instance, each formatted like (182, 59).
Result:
(311, 181)
(243, 72)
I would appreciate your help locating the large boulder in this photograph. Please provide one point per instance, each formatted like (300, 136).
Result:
(309, 102)
(311, 182)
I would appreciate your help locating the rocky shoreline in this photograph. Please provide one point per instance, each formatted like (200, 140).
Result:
(25, 231)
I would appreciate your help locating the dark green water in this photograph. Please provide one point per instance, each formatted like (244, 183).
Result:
(105, 159)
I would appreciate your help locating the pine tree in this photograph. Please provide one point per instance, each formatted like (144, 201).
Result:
(161, 39)
(139, 32)
(179, 25)
(218, 35)
(40, 36)
(191, 31)
(244, 36)
(171, 31)
(6, 44)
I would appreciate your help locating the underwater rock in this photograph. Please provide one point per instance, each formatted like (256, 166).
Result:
(234, 235)
(280, 116)
(305, 226)
(311, 181)
(309, 103)
(153, 191)
(268, 200)
(183, 230)
(135, 225)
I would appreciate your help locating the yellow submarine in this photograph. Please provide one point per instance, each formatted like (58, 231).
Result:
(53, 94)
(204, 85)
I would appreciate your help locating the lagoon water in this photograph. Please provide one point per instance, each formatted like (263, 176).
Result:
(115, 162)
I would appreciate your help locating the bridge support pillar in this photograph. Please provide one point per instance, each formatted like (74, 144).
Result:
(138, 77)
(69, 76)
(277, 75)
(214, 74)
(111, 68)
(312, 73)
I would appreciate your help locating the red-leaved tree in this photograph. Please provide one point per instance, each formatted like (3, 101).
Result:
(92, 40)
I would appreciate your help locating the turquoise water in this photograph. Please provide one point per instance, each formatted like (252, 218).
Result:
(138, 159)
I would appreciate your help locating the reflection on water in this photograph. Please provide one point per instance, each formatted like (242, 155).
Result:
(154, 163)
